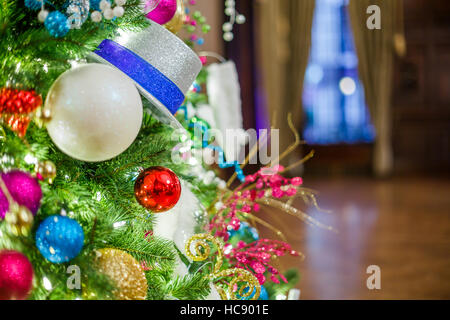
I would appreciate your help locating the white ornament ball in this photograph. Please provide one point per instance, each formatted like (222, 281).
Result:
(96, 16)
(108, 14)
(96, 112)
(42, 15)
(104, 4)
(118, 11)
(120, 2)
(230, 3)
(220, 183)
(228, 36)
(209, 177)
(227, 27)
(240, 19)
(229, 11)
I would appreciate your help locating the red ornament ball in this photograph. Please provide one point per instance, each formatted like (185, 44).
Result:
(16, 275)
(157, 189)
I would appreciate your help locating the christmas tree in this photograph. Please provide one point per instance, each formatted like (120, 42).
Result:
(100, 197)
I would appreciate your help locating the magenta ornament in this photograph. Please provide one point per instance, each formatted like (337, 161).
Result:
(16, 276)
(164, 12)
(23, 188)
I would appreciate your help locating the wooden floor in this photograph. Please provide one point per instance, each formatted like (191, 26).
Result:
(401, 225)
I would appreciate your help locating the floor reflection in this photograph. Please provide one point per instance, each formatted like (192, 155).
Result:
(401, 225)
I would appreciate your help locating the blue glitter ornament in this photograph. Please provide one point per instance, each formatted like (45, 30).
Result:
(57, 24)
(59, 238)
(34, 4)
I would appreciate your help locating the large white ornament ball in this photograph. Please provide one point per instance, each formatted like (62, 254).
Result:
(96, 112)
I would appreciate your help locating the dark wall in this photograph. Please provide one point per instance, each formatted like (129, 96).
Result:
(421, 108)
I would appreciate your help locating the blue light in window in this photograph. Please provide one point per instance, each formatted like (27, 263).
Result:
(314, 74)
(333, 96)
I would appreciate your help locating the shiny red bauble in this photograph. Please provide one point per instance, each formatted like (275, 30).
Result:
(16, 275)
(157, 189)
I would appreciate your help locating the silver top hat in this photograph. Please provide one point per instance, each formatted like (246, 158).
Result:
(169, 55)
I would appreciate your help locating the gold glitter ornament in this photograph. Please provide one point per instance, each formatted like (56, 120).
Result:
(177, 21)
(125, 271)
(47, 170)
(19, 220)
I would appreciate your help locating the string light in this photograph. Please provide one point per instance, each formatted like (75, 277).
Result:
(30, 159)
(347, 86)
(47, 284)
(119, 224)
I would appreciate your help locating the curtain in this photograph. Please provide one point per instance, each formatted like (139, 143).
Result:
(283, 41)
(376, 49)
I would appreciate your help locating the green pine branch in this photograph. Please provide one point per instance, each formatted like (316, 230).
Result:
(31, 58)
(100, 196)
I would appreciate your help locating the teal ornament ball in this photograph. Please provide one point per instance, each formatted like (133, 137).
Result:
(33, 4)
(263, 295)
(246, 233)
(57, 24)
(59, 238)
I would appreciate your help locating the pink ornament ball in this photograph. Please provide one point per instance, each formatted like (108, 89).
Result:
(164, 12)
(16, 275)
(24, 189)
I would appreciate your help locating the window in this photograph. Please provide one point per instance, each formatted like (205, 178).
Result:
(333, 96)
